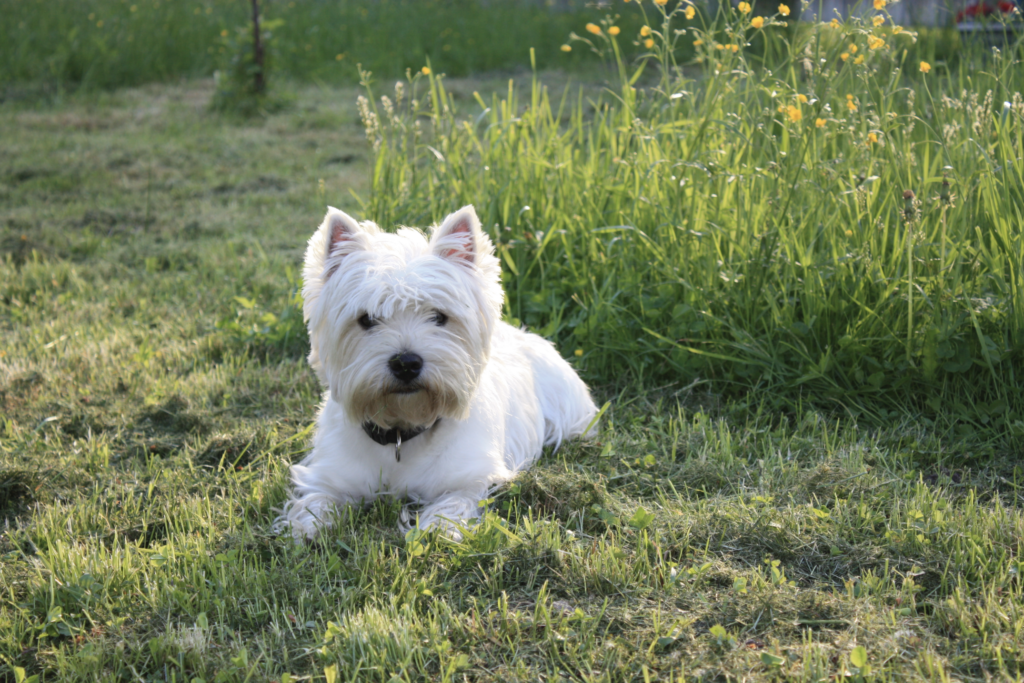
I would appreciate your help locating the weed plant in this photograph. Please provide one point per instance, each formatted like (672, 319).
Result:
(238, 90)
(820, 219)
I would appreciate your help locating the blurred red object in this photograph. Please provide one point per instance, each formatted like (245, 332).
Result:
(984, 9)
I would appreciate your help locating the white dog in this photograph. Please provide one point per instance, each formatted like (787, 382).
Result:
(430, 396)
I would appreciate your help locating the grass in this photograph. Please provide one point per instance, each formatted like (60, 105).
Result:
(144, 447)
(724, 526)
(843, 227)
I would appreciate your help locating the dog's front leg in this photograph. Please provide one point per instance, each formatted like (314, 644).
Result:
(317, 500)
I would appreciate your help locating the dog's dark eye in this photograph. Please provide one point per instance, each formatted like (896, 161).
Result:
(366, 322)
(439, 318)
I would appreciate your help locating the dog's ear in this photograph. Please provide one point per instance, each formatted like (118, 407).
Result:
(458, 239)
(343, 237)
(341, 230)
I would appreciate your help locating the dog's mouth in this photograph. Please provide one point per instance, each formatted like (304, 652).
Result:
(412, 389)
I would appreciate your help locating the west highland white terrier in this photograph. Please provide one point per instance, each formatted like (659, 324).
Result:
(429, 395)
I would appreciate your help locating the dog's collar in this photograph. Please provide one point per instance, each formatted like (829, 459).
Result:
(394, 435)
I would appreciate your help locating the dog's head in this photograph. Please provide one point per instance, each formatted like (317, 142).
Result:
(400, 325)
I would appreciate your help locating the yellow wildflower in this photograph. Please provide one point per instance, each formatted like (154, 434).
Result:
(834, 23)
(696, 43)
(425, 71)
(874, 42)
(853, 47)
(757, 22)
(851, 105)
(660, 2)
(844, 56)
(878, 20)
(99, 24)
(567, 48)
(820, 123)
(734, 47)
(744, 8)
(879, 4)
(613, 30)
(794, 113)
(594, 28)
(339, 57)
(801, 98)
(859, 60)
(896, 30)
(224, 33)
(849, 233)
(925, 67)
(784, 10)
(579, 352)
(691, 12)
(872, 138)
(645, 31)
(719, 46)
(649, 43)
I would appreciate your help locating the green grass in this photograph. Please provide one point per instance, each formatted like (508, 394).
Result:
(740, 517)
(145, 441)
(749, 226)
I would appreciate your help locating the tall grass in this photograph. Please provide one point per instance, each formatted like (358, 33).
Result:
(747, 224)
(106, 43)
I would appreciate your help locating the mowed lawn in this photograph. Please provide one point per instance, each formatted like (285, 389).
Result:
(147, 427)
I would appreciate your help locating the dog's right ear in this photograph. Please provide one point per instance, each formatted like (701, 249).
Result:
(342, 230)
(343, 238)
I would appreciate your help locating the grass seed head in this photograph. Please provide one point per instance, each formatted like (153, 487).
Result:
(909, 206)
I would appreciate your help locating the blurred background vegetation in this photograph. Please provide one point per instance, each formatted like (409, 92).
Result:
(113, 43)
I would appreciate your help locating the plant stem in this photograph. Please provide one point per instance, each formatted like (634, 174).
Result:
(259, 84)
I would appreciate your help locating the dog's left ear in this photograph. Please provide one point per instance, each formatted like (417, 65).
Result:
(458, 239)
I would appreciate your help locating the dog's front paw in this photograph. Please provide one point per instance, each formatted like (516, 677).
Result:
(304, 517)
(449, 515)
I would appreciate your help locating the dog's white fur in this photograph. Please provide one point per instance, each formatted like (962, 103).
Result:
(492, 396)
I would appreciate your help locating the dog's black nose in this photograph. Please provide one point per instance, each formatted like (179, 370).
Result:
(406, 366)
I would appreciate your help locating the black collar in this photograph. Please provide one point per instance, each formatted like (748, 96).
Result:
(389, 436)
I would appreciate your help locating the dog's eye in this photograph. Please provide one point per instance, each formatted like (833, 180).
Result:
(439, 318)
(366, 322)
